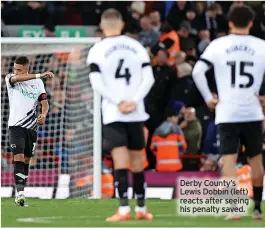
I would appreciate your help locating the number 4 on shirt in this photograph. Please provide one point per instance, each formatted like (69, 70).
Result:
(126, 75)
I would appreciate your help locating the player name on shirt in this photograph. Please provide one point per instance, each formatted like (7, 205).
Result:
(23, 100)
(119, 47)
(240, 48)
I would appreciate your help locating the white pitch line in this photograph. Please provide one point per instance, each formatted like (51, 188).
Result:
(48, 219)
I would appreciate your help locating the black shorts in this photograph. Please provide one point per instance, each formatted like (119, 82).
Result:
(118, 134)
(248, 134)
(22, 141)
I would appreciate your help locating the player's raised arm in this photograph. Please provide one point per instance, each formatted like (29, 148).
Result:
(199, 77)
(21, 69)
(147, 78)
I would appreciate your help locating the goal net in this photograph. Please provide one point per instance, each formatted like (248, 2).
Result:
(63, 164)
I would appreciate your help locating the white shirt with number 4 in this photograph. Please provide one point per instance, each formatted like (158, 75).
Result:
(120, 61)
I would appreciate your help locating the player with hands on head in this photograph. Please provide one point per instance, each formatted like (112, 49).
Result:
(25, 92)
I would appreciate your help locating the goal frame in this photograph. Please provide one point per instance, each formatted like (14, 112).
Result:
(97, 136)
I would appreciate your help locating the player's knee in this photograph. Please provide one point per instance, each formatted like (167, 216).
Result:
(27, 160)
(120, 157)
(257, 175)
(19, 157)
(136, 161)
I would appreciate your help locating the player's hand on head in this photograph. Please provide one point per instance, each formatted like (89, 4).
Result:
(47, 75)
(41, 119)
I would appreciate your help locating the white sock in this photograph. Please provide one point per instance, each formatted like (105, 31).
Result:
(20, 193)
(140, 209)
(123, 210)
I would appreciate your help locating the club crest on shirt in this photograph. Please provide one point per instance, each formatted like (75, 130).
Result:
(13, 146)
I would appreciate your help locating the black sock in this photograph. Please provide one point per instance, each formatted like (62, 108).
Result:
(122, 184)
(139, 188)
(26, 171)
(257, 193)
(19, 175)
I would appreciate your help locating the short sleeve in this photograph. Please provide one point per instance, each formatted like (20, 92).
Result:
(9, 84)
(41, 87)
(209, 55)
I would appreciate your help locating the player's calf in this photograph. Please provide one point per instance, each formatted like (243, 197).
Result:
(257, 181)
(26, 168)
(19, 176)
(139, 185)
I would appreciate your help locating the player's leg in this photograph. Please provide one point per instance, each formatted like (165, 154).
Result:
(253, 137)
(116, 136)
(17, 144)
(136, 143)
(229, 142)
(31, 140)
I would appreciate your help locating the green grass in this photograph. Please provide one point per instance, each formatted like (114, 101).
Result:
(92, 213)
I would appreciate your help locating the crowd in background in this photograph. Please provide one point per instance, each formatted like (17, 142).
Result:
(175, 33)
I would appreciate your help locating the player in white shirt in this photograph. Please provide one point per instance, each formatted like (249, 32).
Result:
(238, 61)
(121, 73)
(25, 92)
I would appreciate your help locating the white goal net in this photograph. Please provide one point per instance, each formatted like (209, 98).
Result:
(63, 160)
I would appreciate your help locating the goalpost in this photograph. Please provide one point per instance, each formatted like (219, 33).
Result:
(70, 140)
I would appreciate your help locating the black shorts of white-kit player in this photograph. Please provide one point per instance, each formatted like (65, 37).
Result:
(128, 134)
(22, 140)
(248, 134)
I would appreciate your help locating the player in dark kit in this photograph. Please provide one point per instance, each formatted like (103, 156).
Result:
(25, 92)
(238, 61)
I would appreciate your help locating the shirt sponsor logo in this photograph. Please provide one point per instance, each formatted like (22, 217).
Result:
(28, 94)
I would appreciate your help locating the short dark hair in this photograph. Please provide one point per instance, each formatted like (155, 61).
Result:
(241, 16)
(22, 60)
(111, 14)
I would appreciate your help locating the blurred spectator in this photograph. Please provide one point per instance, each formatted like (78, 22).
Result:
(178, 13)
(49, 30)
(170, 39)
(168, 142)
(148, 36)
(186, 40)
(159, 6)
(184, 83)
(192, 131)
(159, 96)
(155, 20)
(180, 58)
(132, 29)
(35, 13)
(204, 41)
(137, 9)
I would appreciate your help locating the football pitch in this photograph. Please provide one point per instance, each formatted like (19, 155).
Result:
(92, 213)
